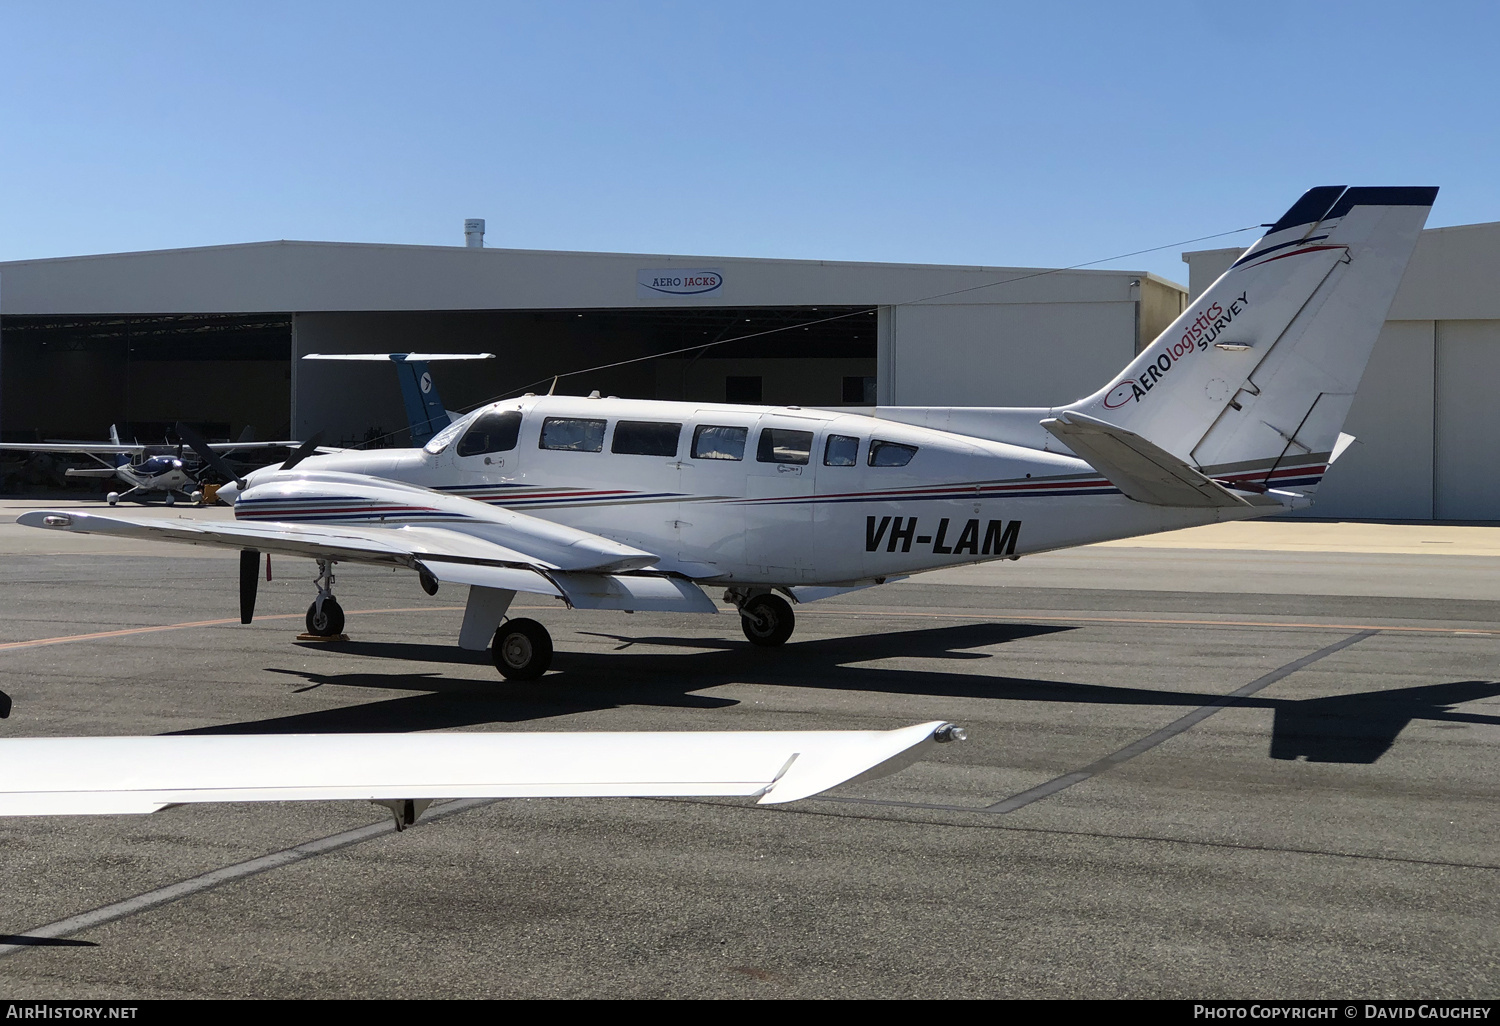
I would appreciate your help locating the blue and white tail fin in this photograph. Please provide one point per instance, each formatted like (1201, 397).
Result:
(425, 413)
(1251, 384)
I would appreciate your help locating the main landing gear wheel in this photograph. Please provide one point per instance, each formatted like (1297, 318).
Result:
(767, 620)
(522, 650)
(327, 622)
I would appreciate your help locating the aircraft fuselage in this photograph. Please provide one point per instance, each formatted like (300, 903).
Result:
(748, 494)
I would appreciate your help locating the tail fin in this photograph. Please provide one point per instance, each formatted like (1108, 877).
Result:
(1252, 383)
(425, 413)
(119, 459)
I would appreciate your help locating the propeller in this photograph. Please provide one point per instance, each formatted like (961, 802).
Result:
(213, 459)
(249, 581)
(303, 451)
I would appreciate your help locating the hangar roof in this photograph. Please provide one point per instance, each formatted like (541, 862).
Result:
(290, 276)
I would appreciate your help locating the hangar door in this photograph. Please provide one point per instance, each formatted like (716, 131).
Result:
(1467, 413)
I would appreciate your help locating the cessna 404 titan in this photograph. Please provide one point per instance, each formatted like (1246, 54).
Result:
(1233, 412)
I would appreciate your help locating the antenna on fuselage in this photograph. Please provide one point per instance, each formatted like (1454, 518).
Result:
(554, 384)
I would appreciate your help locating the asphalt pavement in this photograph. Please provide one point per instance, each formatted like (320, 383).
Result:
(1248, 761)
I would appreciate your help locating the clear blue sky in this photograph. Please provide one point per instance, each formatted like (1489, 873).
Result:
(972, 133)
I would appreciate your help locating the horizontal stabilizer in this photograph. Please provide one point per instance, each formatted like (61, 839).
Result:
(398, 357)
(1143, 471)
(111, 775)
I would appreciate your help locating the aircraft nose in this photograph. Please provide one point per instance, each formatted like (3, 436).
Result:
(228, 493)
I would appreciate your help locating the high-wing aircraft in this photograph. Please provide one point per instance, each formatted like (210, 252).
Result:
(71, 776)
(1235, 411)
(146, 469)
(425, 413)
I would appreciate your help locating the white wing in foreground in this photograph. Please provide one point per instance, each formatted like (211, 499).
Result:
(113, 775)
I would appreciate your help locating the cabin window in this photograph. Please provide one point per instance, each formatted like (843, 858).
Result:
(574, 434)
(841, 451)
(646, 438)
(491, 432)
(781, 445)
(890, 454)
(712, 442)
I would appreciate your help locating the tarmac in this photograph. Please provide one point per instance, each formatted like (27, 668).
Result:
(1256, 760)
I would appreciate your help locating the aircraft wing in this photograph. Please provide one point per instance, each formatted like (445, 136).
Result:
(84, 448)
(586, 570)
(1141, 469)
(285, 443)
(121, 775)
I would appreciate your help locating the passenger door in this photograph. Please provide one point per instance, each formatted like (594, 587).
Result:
(780, 472)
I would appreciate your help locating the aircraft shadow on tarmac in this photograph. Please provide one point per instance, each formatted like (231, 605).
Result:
(1355, 728)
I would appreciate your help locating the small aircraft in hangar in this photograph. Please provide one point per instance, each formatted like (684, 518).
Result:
(146, 469)
(1235, 411)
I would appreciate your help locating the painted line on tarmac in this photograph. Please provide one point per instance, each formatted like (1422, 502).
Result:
(1378, 628)
(1145, 744)
(67, 638)
(219, 877)
(1171, 730)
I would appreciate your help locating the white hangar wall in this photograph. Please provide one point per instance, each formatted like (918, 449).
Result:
(997, 335)
(1012, 354)
(1426, 414)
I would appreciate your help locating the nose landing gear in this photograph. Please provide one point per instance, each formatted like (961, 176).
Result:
(325, 617)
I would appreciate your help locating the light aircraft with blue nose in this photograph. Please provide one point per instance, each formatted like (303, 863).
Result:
(1235, 411)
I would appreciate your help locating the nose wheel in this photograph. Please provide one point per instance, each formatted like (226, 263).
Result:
(328, 621)
(522, 649)
(325, 617)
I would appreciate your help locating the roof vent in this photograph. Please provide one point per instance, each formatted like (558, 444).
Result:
(474, 233)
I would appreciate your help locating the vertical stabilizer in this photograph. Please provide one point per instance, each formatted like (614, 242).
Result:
(425, 413)
(1252, 382)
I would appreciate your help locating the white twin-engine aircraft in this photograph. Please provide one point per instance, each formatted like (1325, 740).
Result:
(1233, 412)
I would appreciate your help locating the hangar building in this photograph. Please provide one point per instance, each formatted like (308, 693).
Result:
(213, 335)
(1425, 415)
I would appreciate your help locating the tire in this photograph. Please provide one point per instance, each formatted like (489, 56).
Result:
(330, 623)
(171, 499)
(767, 620)
(522, 650)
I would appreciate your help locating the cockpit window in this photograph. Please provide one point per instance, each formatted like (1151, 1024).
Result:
(575, 434)
(444, 438)
(890, 454)
(781, 445)
(492, 432)
(841, 451)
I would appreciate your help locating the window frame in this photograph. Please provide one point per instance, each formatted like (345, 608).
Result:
(761, 449)
(874, 442)
(614, 441)
(854, 461)
(520, 421)
(698, 430)
(541, 438)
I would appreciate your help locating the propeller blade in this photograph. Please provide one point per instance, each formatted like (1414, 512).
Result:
(249, 581)
(213, 459)
(303, 451)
